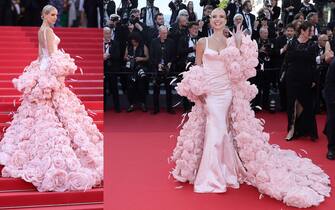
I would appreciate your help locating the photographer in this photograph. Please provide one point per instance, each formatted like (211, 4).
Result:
(204, 26)
(264, 76)
(272, 6)
(232, 9)
(136, 57)
(126, 7)
(111, 65)
(307, 7)
(263, 21)
(162, 51)
(179, 29)
(175, 7)
(290, 9)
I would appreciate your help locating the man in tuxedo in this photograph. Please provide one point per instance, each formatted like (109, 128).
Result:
(186, 54)
(149, 13)
(186, 47)
(112, 65)
(322, 67)
(313, 18)
(248, 18)
(162, 51)
(329, 94)
(281, 43)
(175, 7)
(205, 29)
(232, 9)
(154, 32)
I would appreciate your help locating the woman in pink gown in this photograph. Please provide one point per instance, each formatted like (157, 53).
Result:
(222, 144)
(51, 141)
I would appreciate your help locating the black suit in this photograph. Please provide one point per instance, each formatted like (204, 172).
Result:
(111, 66)
(206, 30)
(162, 52)
(183, 50)
(252, 22)
(329, 93)
(175, 10)
(289, 15)
(154, 12)
(176, 32)
(91, 7)
(111, 8)
(231, 10)
(214, 3)
(5, 12)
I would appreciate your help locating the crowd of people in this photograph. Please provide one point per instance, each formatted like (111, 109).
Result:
(71, 13)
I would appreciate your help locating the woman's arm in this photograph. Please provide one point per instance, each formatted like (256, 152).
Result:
(50, 41)
(200, 51)
(146, 55)
(126, 54)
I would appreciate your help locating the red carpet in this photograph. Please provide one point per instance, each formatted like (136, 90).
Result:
(137, 148)
(18, 47)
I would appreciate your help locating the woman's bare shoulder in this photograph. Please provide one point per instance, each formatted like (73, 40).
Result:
(201, 42)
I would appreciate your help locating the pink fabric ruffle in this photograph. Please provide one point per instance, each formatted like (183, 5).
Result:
(281, 174)
(52, 142)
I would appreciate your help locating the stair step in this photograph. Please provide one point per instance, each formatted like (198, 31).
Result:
(76, 76)
(82, 206)
(92, 105)
(11, 98)
(79, 83)
(72, 49)
(33, 56)
(76, 90)
(50, 198)
(100, 126)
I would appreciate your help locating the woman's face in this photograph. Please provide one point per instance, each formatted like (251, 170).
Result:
(190, 5)
(218, 19)
(274, 3)
(134, 42)
(238, 20)
(306, 34)
(130, 27)
(301, 18)
(51, 18)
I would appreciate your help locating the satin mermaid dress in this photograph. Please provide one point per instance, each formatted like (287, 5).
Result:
(52, 142)
(220, 166)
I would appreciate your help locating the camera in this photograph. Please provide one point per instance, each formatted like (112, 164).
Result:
(131, 63)
(141, 73)
(206, 19)
(134, 19)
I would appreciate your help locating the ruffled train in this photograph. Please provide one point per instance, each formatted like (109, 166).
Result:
(281, 174)
(52, 142)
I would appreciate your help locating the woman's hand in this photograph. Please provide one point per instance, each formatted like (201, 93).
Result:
(238, 34)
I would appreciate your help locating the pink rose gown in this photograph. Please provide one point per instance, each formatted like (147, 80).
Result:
(223, 144)
(51, 141)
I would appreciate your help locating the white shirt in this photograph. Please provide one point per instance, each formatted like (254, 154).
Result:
(149, 18)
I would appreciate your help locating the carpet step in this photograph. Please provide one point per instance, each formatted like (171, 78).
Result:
(23, 62)
(75, 50)
(83, 206)
(33, 56)
(19, 69)
(97, 115)
(92, 105)
(76, 76)
(76, 90)
(50, 198)
(14, 184)
(34, 45)
(100, 126)
(65, 29)
(79, 83)
(11, 98)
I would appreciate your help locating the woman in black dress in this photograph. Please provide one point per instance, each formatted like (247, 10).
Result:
(301, 77)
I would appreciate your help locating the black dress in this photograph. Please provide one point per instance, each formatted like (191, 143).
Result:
(300, 74)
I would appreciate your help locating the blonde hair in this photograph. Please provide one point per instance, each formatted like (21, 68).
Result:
(47, 9)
